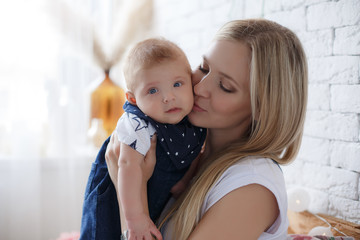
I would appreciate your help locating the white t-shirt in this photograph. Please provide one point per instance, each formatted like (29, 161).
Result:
(250, 170)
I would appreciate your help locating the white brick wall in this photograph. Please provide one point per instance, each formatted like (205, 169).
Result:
(334, 69)
(328, 165)
(347, 40)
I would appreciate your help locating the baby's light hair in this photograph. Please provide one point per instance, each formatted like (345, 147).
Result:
(149, 53)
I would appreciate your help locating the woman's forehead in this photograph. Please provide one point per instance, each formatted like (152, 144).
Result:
(230, 57)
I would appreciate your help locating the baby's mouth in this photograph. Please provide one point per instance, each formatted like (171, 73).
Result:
(173, 110)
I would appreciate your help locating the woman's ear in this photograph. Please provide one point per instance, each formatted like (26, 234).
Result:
(131, 98)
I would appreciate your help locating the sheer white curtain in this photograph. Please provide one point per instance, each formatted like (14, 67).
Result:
(38, 75)
(47, 72)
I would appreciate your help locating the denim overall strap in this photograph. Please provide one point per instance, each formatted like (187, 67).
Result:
(100, 217)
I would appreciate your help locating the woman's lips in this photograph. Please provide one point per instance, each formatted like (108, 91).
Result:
(196, 108)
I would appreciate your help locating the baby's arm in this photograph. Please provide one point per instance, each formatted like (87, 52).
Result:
(132, 194)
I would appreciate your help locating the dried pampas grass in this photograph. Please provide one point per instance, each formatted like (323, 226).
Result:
(132, 22)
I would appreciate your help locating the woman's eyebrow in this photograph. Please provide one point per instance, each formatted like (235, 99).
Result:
(221, 73)
(227, 76)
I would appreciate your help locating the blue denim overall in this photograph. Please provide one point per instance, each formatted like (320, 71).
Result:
(100, 217)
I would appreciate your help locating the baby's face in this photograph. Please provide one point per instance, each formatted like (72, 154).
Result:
(164, 91)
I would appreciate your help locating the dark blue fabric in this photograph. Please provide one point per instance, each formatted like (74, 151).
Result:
(100, 218)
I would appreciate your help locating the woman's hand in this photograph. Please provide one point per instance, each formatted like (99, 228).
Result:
(149, 160)
(111, 156)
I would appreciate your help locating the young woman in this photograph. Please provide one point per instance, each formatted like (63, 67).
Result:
(250, 93)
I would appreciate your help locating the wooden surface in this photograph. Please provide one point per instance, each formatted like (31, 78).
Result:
(303, 222)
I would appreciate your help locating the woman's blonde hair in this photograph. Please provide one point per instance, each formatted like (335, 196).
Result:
(278, 89)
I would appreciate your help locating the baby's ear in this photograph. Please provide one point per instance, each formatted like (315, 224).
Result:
(130, 97)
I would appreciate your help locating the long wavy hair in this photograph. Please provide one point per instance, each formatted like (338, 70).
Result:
(278, 89)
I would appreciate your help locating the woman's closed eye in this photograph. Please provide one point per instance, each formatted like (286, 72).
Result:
(152, 91)
(225, 89)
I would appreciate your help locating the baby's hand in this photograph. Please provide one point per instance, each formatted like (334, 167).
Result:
(142, 227)
(179, 188)
(181, 185)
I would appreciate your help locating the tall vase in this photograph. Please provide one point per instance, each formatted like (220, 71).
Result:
(107, 101)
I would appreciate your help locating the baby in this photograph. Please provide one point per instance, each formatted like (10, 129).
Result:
(159, 96)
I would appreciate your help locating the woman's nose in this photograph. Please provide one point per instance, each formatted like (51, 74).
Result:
(201, 87)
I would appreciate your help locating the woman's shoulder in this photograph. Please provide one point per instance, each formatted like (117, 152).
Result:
(252, 170)
(253, 167)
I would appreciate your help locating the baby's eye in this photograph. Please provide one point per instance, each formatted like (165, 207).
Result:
(152, 91)
(177, 84)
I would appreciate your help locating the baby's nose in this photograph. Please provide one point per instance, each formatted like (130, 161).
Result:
(168, 97)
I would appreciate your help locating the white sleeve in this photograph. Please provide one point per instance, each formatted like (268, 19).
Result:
(134, 132)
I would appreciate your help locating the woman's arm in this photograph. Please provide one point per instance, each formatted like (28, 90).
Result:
(244, 213)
